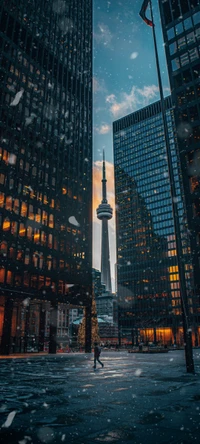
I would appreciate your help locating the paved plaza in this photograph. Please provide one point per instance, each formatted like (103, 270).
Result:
(135, 398)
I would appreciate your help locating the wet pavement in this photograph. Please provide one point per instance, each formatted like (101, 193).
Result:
(135, 398)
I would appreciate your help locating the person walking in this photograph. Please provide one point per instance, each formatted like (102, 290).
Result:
(97, 352)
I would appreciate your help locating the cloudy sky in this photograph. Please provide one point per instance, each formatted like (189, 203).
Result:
(125, 80)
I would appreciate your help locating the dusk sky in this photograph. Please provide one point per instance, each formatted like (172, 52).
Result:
(125, 80)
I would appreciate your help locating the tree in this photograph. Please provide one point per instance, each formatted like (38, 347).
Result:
(94, 326)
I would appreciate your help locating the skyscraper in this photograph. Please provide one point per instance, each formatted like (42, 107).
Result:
(46, 164)
(181, 31)
(148, 289)
(104, 213)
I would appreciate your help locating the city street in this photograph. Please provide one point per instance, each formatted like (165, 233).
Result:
(135, 398)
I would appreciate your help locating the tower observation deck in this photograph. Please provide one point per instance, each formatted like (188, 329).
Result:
(104, 213)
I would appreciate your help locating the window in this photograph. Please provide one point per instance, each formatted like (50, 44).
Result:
(6, 224)
(27, 256)
(187, 23)
(193, 53)
(43, 238)
(38, 216)
(184, 59)
(178, 28)
(51, 221)
(50, 241)
(26, 279)
(175, 64)
(44, 218)
(49, 262)
(2, 199)
(16, 206)
(3, 249)
(181, 43)
(23, 209)
(9, 203)
(35, 259)
(36, 236)
(14, 228)
(12, 253)
(190, 37)
(22, 230)
(30, 212)
(2, 275)
(196, 18)
(29, 232)
(20, 254)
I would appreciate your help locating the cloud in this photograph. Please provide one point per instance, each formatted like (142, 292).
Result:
(111, 98)
(98, 85)
(104, 36)
(137, 98)
(134, 55)
(103, 129)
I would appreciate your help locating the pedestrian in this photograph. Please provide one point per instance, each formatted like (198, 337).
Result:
(97, 352)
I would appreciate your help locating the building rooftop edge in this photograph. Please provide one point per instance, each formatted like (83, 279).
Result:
(151, 106)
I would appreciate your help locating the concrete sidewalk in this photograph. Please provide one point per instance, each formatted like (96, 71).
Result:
(135, 398)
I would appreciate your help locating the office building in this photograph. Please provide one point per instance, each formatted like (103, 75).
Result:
(46, 166)
(181, 31)
(149, 306)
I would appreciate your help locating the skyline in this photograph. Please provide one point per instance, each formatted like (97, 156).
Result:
(124, 81)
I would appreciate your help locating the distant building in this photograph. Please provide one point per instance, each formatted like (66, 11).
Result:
(46, 166)
(148, 292)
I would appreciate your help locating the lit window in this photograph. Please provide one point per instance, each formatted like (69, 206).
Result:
(43, 238)
(38, 216)
(3, 248)
(2, 199)
(44, 218)
(50, 241)
(27, 256)
(51, 221)
(49, 262)
(22, 230)
(6, 224)
(23, 209)
(35, 259)
(36, 236)
(41, 260)
(16, 206)
(2, 275)
(20, 255)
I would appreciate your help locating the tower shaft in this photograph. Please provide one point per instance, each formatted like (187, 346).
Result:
(105, 256)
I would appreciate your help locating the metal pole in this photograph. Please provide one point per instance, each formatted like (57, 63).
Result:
(181, 268)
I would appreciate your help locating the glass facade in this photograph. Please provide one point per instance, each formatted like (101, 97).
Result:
(46, 149)
(181, 30)
(147, 271)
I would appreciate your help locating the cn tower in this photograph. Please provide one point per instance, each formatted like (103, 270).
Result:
(104, 213)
